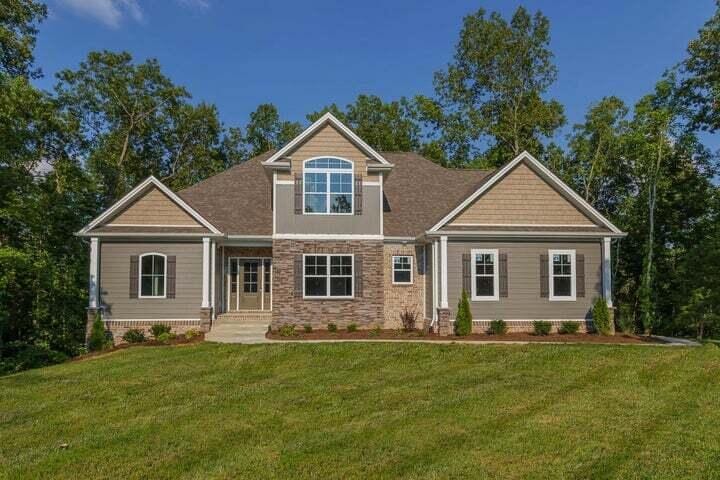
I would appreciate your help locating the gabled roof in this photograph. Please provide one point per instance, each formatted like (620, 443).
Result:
(547, 175)
(136, 193)
(327, 118)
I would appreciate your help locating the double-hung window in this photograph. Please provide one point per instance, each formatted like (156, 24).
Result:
(328, 276)
(484, 264)
(152, 275)
(402, 269)
(328, 186)
(562, 274)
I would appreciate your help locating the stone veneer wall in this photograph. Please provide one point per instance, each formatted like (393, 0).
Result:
(365, 311)
(398, 297)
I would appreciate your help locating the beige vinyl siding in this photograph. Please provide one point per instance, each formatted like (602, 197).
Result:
(524, 198)
(154, 208)
(328, 141)
(115, 282)
(524, 301)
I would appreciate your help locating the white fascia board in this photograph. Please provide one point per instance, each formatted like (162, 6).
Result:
(501, 233)
(549, 176)
(331, 119)
(151, 180)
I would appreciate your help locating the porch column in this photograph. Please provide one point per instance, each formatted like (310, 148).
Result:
(213, 274)
(206, 273)
(93, 283)
(435, 278)
(607, 272)
(443, 272)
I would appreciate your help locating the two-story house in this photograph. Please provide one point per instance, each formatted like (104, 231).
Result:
(328, 230)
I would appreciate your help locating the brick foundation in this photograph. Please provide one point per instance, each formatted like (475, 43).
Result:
(205, 319)
(119, 327)
(366, 311)
(525, 326)
(445, 327)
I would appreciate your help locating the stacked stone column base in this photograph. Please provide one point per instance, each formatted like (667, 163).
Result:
(444, 325)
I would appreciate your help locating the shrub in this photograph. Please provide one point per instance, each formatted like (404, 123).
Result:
(134, 335)
(601, 317)
(98, 339)
(408, 319)
(498, 327)
(166, 337)
(463, 319)
(568, 328)
(192, 333)
(375, 331)
(541, 327)
(626, 321)
(352, 328)
(332, 327)
(18, 356)
(287, 330)
(158, 329)
(308, 328)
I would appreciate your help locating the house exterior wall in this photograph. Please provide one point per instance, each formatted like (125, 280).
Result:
(397, 296)
(367, 223)
(521, 198)
(288, 308)
(524, 302)
(154, 208)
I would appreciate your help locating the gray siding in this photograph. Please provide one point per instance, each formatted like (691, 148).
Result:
(366, 224)
(115, 282)
(524, 301)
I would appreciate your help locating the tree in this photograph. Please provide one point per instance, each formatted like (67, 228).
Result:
(463, 317)
(266, 131)
(18, 30)
(495, 84)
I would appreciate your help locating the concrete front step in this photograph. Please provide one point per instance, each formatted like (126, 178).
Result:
(240, 327)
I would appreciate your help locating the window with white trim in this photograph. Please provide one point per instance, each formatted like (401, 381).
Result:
(562, 274)
(328, 186)
(153, 276)
(328, 276)
(484, 264)
(402, 269)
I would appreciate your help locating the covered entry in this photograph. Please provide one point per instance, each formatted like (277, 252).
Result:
(249, 283)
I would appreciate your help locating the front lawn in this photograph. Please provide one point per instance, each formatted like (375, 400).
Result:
(367, 411)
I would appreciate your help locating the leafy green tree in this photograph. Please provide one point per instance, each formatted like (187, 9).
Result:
(494, 86)
(19, 21)
(266, 131)
(701, 312)
(463, 316)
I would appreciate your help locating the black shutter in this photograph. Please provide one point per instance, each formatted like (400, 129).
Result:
(298, 272)
(544, 286)
(466, 273)
(358, 275)
(133, 276)
(358, 195)
(298, 195)
(170, 276)
(503, 275)
(580, 275)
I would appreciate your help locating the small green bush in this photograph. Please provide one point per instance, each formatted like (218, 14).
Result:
(308, 328)
(287, 330)
(626, 321)
(332, 327)
(541, 327)
(192, 333)
(375, 331)
(166, 337)
(601, 317)
(158, 329)
(352, 328)
(498, 327)
(98, 339)
(463, 318)
(569, 328)
(134, 335)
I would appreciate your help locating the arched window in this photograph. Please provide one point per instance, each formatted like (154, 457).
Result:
(328, 186)
(153, 275)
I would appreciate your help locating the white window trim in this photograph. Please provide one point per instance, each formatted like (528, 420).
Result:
(327, 172)
(496, 275)
(411, 270)
(140, 274)
(551, 276)
(327, 284)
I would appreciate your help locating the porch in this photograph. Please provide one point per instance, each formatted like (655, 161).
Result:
(244, 279)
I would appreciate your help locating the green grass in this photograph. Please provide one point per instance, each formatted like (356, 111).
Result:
(367, 411)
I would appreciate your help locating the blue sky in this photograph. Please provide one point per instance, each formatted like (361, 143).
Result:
(303, 55)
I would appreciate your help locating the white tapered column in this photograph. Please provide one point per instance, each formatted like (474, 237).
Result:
(93, 281)
(607, 272)
(206, 273)
(443, 273)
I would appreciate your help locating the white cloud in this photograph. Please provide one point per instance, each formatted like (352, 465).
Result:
(195, 3)
(113, 12)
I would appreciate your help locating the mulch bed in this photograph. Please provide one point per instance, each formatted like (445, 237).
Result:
(480, 337)
(179, 340)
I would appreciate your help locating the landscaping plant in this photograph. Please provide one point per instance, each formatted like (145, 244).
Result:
(287, 330)
(192, 333)
(541, 327)
(98, 340)
(134, 335)
(568, 328)
(352, 327)
(409, 319)
(601, 317)
(498, 327)
(626, 319)
(308, 328)
(332, 327)
(463, 319)
(158, 329)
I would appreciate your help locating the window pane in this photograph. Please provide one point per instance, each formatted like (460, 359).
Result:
(341, 265)
(315, 203)
(315, 182)
(146, 286)
(562, 287)
(484, 286)
(402, 276)
(316, 265)
(147, 264)
(315, 286)
(341, 183)
(340, 203)
(158, 286)
(159, 265)
(340, 286)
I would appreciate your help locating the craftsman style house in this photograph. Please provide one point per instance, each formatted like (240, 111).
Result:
(328, 230)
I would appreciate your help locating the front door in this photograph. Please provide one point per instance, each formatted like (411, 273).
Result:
(249, 283)
(249, 286)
